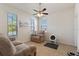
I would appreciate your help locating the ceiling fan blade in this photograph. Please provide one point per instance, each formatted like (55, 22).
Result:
(35, 10)
(44, 9)
(45, 13)
(34, 14)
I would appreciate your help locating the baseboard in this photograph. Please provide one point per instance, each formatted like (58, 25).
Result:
(67, 44)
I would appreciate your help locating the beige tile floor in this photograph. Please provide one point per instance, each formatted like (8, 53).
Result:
(46, 51)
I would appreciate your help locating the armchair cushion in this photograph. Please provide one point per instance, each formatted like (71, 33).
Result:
(25, 50)
(16, 43)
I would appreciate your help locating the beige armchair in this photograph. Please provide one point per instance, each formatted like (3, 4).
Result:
(7, 48)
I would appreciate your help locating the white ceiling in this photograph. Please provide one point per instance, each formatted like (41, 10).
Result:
(51, 7)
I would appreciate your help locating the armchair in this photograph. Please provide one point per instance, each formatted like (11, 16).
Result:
(7, 48)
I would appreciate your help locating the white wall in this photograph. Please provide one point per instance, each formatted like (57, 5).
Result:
(23, 32)
(61, 24)
(77, 24)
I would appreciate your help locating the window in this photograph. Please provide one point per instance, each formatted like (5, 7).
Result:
(42, 23)
(12, 24)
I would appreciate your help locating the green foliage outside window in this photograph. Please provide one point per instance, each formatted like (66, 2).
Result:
(12, 24)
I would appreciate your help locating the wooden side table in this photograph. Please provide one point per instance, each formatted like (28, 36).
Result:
(37, 38)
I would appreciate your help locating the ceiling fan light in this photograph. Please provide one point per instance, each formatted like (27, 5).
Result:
(39, 15)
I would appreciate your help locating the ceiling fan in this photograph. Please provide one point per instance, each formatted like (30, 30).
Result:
(40, 12)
